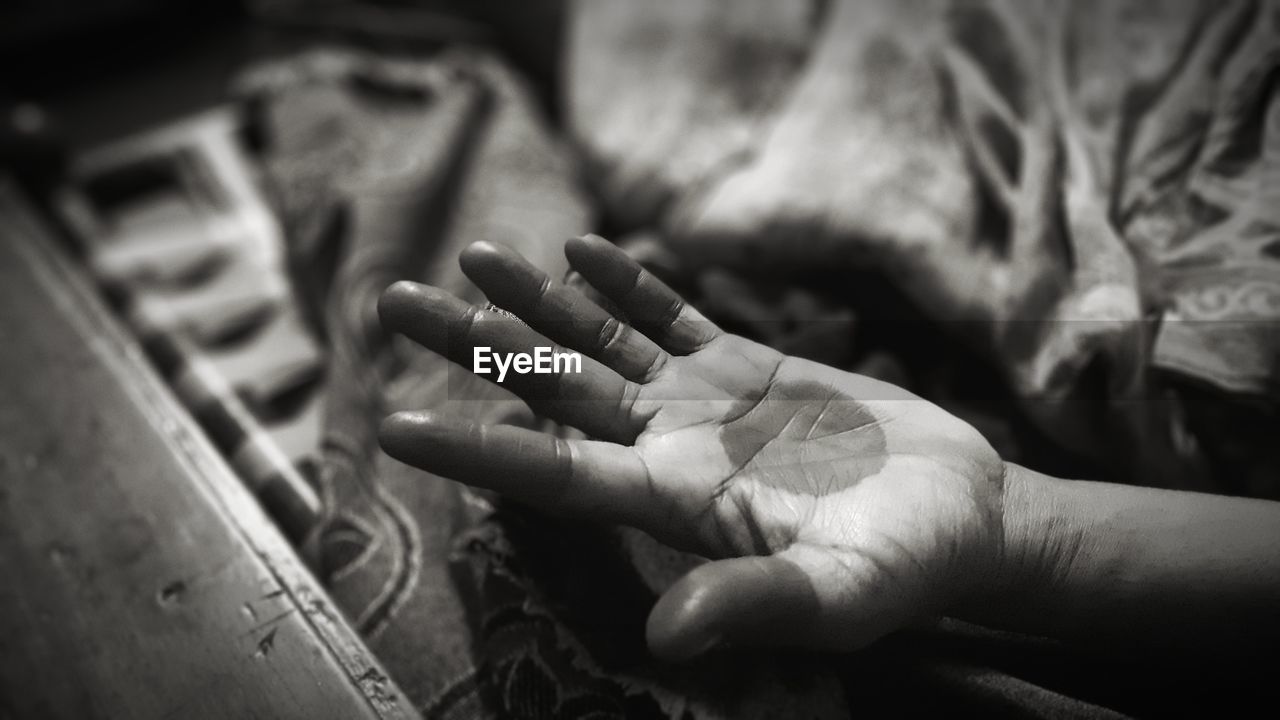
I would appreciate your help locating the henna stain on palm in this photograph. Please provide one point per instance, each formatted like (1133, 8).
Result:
(799, 412)
(793, 412)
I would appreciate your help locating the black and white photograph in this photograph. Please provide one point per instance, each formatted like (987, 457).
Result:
(659, 359)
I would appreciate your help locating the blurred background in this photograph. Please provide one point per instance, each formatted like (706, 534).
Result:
(1058, 220)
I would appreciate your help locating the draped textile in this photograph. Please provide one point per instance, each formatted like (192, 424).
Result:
(1083, 191)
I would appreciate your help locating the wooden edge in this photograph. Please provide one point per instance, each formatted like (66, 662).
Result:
(210, 473)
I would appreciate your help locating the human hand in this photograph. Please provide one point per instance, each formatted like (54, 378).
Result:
(838, 508)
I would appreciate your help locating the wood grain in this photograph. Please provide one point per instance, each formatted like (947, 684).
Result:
(138, 577)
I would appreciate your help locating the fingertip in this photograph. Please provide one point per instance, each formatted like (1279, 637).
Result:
(397, 432)
(578, 247)
(573, 249)
(752, 601)
(396, 304)
(480, 254)
(496, 269)
(424, 314)
(679, 627)
(592, 255)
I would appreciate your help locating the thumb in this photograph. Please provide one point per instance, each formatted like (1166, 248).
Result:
(757, 600)
(800, 597)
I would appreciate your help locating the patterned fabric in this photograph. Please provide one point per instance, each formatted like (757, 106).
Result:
(361, 155)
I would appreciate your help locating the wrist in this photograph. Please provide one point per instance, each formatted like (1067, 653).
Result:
(1046, 540)
(1116, 566)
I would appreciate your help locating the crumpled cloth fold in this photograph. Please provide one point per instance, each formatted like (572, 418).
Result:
(1086, 191)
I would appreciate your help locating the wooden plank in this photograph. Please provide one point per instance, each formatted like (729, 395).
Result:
(138, 578)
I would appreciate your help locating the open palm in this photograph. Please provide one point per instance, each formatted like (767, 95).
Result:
(839, 508)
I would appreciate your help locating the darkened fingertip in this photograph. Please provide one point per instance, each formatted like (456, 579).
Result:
(482, 255)
(402, 302)
(400, 432)
(677, 629)
(747, 601)
(485, 264)
(587, 243)
(585, 247)
(605, 265)
(502, 273)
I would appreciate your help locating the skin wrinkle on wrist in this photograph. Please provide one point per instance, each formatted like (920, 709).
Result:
(1075, 564)
(1043, 554)
(1131, 569)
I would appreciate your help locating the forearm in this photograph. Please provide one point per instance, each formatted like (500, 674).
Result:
(1085, 561)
